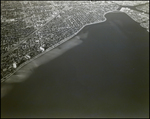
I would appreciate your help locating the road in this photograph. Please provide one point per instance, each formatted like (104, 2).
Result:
(24, 39)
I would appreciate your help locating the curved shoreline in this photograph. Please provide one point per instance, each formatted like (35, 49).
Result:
(57, 44)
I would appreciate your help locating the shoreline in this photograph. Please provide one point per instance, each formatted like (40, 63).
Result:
(58, 44)
(98, 69)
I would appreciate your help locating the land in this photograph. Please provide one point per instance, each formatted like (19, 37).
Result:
(30, 28)
(141, 15)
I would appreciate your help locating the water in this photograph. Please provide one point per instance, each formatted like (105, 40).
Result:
(104, 76)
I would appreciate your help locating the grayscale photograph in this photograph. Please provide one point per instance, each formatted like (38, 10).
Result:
(74, 59)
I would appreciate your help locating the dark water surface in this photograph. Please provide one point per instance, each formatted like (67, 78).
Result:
(105, 76)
